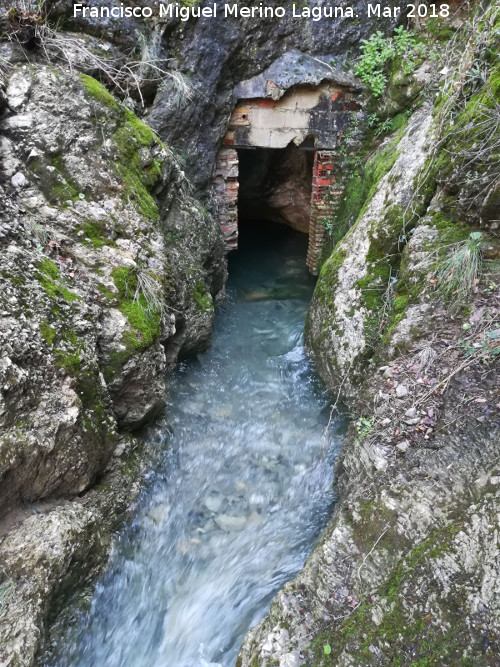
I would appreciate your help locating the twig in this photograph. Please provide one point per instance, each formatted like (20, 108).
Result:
(371, 551)
(325, 433)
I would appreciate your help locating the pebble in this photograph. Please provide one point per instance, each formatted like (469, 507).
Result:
(401, 391)
(19, 180)
(230, 524)
(388, 373)
(213, 503)
(402, 446)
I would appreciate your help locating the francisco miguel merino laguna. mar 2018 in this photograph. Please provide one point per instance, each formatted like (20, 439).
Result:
(227, 10)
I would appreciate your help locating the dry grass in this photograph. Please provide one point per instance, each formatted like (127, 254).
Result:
(460, 271)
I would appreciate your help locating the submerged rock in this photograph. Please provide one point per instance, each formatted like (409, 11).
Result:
(230, 524)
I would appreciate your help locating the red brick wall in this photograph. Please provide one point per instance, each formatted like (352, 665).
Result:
(226, 195)
(325, 198)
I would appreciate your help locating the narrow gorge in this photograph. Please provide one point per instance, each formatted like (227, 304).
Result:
(249, 335)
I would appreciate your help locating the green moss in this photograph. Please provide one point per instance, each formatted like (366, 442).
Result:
(328, 277)
(400, 304)
(125, 280)
(70, 361)
(114, 364)
(361, 174)
(382, 264)
(47, 275)
(48, 333)
(449, 230)
(70, 358)
(399, 121)
(56, 184)
(398, 634)
(460, 161)
(202, 298)
(95, 234)
(47, 267)
(138, 193)
(141, 132)
(106, 292)
(144, 320)
(130, 136)
(98, 92)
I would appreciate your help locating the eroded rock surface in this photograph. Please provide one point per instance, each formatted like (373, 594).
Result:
(407, 569)
(109, 271)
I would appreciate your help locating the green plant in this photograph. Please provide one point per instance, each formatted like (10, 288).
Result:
(376, 52)
(460, 270)
(379, 51)
(363, 427)
(328, 225)
(140, 302)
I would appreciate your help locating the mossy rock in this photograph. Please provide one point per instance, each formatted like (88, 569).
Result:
(143, 318)
(130, 137)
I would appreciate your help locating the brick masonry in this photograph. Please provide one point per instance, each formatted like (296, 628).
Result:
(323, 112)
(226, 195)
(325, 198)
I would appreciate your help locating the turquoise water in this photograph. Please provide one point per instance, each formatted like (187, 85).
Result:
(242, 491)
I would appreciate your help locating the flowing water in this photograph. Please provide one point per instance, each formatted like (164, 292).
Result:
(240, 494)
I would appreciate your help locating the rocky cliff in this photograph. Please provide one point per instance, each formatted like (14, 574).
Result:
(110, 270)
(404, 327)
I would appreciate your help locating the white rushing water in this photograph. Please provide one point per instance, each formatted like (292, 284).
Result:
(241, 492)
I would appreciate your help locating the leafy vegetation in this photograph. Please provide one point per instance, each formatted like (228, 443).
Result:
(378, 51)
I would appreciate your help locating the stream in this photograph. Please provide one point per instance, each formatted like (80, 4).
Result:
(242, 489)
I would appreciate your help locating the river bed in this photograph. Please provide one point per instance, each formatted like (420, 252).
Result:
(241, 492)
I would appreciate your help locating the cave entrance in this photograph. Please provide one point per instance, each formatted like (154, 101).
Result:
(280, 159)
(294, 186)
(275, 185)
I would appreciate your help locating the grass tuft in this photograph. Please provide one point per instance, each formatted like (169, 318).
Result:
(461, 269)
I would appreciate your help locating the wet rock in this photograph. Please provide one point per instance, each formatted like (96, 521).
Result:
(213, 503)
(86, 359)
(231, 524)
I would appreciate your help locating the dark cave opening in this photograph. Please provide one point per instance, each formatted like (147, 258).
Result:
(275, 186)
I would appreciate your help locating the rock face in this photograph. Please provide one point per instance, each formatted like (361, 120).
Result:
(343, 315)
(110, 271)
(407, 568)
(219, 55)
